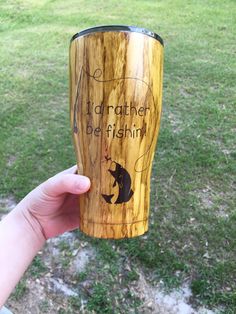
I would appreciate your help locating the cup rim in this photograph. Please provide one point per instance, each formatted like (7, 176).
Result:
(122, 28)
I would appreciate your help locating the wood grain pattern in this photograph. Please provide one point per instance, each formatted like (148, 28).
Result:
(115, 108)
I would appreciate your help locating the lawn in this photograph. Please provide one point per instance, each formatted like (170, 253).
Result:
(192, 234)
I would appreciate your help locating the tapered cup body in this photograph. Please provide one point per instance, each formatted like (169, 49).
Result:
(115, 109)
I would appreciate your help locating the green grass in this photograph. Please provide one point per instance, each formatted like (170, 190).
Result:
(37, 268)
(20, 290)
(192, 227)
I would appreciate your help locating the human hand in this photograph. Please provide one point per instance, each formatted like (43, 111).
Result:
(49, 210)
(53, 205)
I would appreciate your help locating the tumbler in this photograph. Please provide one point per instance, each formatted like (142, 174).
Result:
(115, 109)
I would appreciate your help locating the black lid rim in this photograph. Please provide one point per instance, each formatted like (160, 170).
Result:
(121, 28)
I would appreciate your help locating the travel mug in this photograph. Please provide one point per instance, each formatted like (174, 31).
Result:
(115, 108)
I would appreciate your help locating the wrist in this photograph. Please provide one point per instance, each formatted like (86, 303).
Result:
(30, 225)
(33, 224)
(20, 241)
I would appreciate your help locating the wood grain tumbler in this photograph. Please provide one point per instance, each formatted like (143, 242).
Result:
(115, 109)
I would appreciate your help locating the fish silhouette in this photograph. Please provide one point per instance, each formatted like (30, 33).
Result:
(123, 179)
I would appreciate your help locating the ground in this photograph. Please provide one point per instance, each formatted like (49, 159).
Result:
(57, 283)
(190, 246)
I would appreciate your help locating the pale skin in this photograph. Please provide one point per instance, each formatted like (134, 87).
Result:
(47, 211)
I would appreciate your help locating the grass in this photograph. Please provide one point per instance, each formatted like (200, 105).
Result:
(37, 268)
(192, 227)
(20, 290)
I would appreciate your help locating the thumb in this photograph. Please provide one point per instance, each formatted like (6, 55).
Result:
(66, 183)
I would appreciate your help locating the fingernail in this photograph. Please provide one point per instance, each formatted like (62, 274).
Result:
(83, 183)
